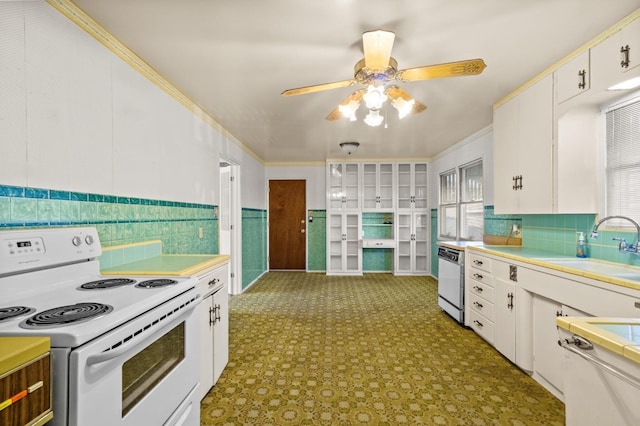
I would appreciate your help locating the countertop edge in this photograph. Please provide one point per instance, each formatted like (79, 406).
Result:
(218, 260)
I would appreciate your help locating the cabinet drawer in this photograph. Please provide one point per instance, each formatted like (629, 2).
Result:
(212, 280)
(480, 276)
(481, 289)
(482, 306)
(479, 262)
(482, 326)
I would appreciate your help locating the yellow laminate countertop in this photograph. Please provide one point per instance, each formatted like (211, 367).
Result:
(618, 335)
(16, 351)
(169, 264)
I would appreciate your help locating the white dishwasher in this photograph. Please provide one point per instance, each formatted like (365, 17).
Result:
(451, 282)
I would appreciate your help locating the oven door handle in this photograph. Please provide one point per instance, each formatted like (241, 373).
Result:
(132, 343)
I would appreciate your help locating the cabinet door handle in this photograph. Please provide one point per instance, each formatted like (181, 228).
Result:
(478, 304)
(478, 323)
(216, 318)
(582, 79)
(624, 56)
(510, 303)
(211, 318)
(478, 289)
(478, 276)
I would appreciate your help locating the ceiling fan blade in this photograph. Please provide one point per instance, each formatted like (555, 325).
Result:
(451, 69)
(377, 47)
(336, 114)
(396, 92)
(318, 87)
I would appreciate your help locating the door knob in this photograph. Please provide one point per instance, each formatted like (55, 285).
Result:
(302, 230)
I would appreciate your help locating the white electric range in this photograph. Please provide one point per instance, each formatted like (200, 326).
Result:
(125, 350)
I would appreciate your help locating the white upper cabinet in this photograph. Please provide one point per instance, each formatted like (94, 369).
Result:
(523, 151)
(616, 58)
(412, 186)
(573, 78)
(378, 186)
(343, 188)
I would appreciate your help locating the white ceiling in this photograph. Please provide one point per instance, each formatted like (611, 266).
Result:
(234, 58)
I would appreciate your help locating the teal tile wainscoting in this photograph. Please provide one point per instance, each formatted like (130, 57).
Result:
(254, 245)
(317, 241)
(119, 220)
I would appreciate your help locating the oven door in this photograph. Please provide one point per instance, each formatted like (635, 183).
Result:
(148, 375)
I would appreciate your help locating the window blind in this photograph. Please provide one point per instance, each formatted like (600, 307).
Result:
(623, 162)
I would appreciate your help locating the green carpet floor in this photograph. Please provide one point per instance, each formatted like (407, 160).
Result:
(371, 350)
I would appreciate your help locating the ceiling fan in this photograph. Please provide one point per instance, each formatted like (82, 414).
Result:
(376, 70)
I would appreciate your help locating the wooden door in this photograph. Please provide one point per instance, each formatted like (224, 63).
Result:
(287, 224)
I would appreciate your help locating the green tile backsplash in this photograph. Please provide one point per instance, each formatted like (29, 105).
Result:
(119, 220)
(317, 241)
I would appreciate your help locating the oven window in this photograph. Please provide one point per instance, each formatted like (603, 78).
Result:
(142, 373)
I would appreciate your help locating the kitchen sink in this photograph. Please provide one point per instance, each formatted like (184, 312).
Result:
(625, 272)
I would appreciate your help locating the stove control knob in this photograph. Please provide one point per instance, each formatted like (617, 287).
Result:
(76, 241)
(89, 240)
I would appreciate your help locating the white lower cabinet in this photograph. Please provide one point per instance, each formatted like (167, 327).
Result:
(412, 247)
(547, 353)
(505, 314)
(214, 326)
(513, 305)
(344, 254)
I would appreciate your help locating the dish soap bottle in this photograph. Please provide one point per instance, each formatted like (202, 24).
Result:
(581, 246)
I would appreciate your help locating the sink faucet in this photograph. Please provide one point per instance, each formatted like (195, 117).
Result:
(633, 248)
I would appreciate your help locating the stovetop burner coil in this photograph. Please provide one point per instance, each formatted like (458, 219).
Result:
(159, 282)
(14, 311)
(66, 315)
(107, 283)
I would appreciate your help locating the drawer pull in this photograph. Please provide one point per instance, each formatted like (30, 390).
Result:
(478, 289)
(478, 276)
(478, 323)
(214, 281)
(478, 304)
(478, 262)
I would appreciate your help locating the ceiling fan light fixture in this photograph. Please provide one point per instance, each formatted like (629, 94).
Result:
(403, 106)
(375, 97)
(349, 110)
(374, 118)
(349, 147)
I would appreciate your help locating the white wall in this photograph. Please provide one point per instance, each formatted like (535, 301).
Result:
(315, 177)
(478, 145)
(74, 116)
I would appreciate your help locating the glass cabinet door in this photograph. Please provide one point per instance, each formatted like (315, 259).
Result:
(335, 243)
(420, 186)
(336, 194)
(369, 186)
(404, 186)
(351, 186)
(385, 186)
(421, 242)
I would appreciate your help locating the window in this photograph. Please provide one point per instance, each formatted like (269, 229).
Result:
(461, 204)
(623, 161)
